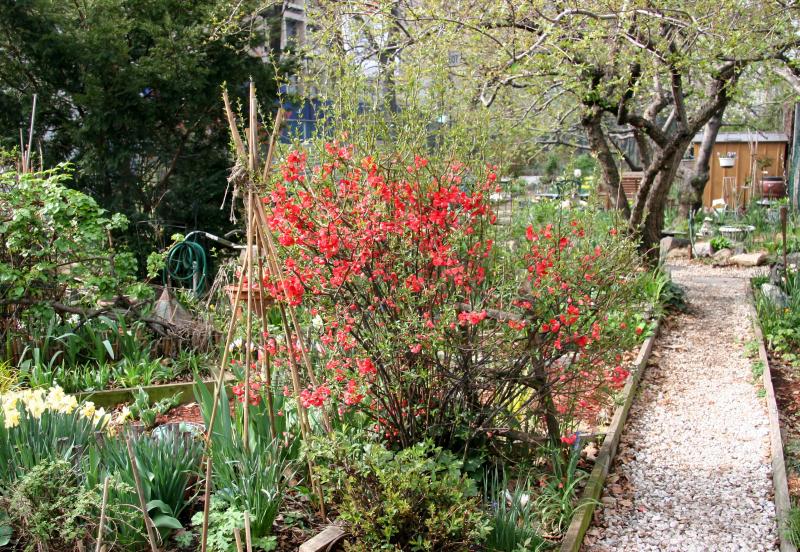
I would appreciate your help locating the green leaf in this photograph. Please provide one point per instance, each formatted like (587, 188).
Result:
(5, 532)
(162, 521)
(160, 504)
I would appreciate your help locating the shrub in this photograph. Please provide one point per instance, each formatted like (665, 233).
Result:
(422, 324)
(414, 499)
(57, 240)
(49, 507)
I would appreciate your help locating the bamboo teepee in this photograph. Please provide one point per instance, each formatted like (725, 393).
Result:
(253, 178)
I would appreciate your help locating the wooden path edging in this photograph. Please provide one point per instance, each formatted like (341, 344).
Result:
(113, 397)
(779, 482)
(582, 518)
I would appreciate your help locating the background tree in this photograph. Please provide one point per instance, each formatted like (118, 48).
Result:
(129, 92)
(616, 70)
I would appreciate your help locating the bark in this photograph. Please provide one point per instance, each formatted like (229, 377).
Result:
(591, 122)
(692, 187)
(657, 199)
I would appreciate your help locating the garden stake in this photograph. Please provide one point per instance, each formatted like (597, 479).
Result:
(248, 539)
(304, 425)
(140, 492)
(783, 233)
(238, 536)
(217, 389)
(273, 265)
(265, 367)
(252, 163)
(264, 238)
(99, 545)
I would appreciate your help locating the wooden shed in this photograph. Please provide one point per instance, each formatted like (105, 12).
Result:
(757, 154)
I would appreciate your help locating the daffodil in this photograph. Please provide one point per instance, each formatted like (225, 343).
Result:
(88, 410)
(11, 418)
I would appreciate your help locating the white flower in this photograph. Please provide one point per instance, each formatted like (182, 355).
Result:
(88, 410)
(11, 418)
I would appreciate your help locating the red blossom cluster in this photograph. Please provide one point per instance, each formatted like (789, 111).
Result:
(254, 395)
(366, 245)
(394, 261)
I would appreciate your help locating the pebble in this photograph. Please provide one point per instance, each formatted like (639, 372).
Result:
(693, 472)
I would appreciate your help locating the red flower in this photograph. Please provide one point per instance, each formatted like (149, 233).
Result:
(366, 367)
(569, 439)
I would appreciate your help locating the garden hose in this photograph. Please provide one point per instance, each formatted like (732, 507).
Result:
(187, 264)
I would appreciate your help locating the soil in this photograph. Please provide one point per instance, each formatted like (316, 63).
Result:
(786, 381)
(184, 413)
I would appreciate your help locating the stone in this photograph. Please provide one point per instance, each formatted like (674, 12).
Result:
(669, 243)
(723, 256)
(703, 249)
(750, 259)
(679, 253)
(775, 295)
(608, 501)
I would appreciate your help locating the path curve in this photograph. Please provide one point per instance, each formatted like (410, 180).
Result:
(693, 468)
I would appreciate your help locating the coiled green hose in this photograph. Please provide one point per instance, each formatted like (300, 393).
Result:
(187, 264)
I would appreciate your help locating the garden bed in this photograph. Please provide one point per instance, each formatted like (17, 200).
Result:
(114, 397)
(781, 383)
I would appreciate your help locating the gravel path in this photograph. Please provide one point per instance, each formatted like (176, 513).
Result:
(693, 469)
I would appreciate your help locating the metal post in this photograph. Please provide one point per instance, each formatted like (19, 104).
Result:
(195, 279)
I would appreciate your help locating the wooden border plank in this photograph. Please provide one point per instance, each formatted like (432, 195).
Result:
(113, 397)
(582, 518)
(779, 482)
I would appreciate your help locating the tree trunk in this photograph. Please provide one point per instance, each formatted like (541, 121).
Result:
(692, 187)
(591, 122)
(656, 203)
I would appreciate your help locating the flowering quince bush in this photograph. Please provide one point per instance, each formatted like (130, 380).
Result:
(419, 322)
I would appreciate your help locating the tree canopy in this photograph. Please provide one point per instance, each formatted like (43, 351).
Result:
(129, 93)
(653, 74)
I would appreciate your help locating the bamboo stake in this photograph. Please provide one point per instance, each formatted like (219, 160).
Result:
(217, 390)
(140, 492)
(783, 213)
(304, 424)
(241, 153)
(272, 267)
(238, 536)
(251, 163)
(265, 366)
(237, 139)
(98, 547)
(248, 538)
(273, 262)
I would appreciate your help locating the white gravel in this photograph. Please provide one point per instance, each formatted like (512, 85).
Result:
(693, 469)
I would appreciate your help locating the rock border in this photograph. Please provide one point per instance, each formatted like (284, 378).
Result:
(573, 539)
(779, 482)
